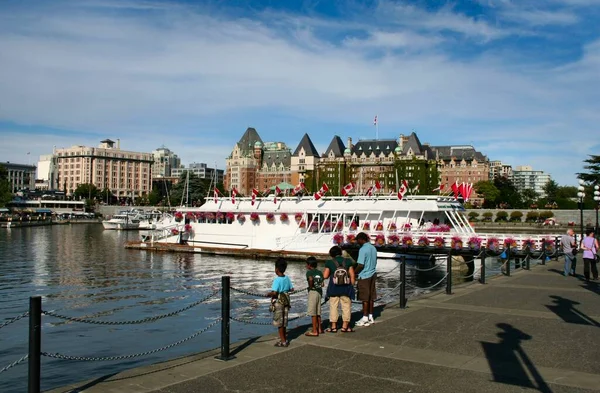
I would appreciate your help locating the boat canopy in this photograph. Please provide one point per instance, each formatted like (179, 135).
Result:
(46, 211)
(283, 186)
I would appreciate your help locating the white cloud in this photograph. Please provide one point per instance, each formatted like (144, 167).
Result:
(394, 40)
(536, 17)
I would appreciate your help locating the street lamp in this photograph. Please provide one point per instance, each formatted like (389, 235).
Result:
(581, 195)
(597, 199)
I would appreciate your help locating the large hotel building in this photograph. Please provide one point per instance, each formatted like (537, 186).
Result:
(124, 173)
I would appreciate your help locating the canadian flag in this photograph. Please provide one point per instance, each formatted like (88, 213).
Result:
(370, 191)
(298, 188)
(347, 188)
(254, 194)
(375, 120)
(216, 193)
(378, 185)
(322, 191)
(455, 189)
(402, 191)
(405, 184)
(439, 188)
(233, 195)
(462, 190)
(277, 192)
(415, 189)
(468, 191)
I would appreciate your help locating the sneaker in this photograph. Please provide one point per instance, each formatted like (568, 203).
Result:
(363, 322)
(371, 321)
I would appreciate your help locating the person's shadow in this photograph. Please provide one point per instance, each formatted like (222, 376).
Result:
(565, 309)
(509, 362)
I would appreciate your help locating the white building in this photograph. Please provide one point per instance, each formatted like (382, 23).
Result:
(164, 162)
(498, 169)
(46, 173)
(201, 170)
(524, 177)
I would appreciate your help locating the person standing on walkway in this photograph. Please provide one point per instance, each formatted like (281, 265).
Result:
(367, 264)
(280, 299)
(314, 279)
(569, 247)
(589, 245)
(340, 289)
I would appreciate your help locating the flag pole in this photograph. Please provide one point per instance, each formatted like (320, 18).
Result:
(377, 128)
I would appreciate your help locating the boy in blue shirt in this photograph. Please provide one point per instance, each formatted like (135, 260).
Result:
(280, 298)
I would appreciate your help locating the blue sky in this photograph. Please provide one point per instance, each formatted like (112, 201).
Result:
(520, 80)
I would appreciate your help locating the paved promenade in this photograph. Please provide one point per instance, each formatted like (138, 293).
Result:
(536, 331)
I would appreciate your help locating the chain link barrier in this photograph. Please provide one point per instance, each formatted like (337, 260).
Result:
(257, 294)
(13, 364)
(414, 268)
(471, 275)
(432, 286)
(134, 322)
(13, 320)
(136, 355)
(252, 322)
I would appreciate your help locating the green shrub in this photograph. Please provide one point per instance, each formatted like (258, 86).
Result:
(532, 216)
(487, 216)
(501, 216)
(544, 215)
(516, 216)
(473, 216)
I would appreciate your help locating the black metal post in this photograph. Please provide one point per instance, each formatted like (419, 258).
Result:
(527, 261)
(449, 272)
(35, 343)
(556, 245)
(543, 251)
(403, 281)
(508, 260)
(225, 322)
(482, 274)
(597, 229)
(581, 216)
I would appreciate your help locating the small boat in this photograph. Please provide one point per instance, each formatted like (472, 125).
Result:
(123, 221)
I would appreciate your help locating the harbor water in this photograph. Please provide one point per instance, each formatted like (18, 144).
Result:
(84, 271)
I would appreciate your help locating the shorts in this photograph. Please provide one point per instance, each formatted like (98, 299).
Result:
(366, 289)
(314, 304)
(280, 315)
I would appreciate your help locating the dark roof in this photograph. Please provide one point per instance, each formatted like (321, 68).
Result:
(336, 146)
(309, 148)
(107, 141)
(247, 141)
(378, 146)
(414, 144)
(277, 157)
(458, 152)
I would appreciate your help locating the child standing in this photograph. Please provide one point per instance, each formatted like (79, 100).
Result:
(315, 293)
(280, 298)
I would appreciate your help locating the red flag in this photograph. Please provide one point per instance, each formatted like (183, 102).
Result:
(468, 191)
(438, 188)
(402, 191)
(455, 189)
(298, 188)
(322, 191)
(378, 185)
(254, 194)
(233, 195)
(415, 189)
(277, 192)
(462, 190)
(215, 193)
(375, 120)
(347, 188)
(370, 191)
(405, 184)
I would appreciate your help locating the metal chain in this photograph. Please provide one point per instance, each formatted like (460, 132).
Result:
(13, 364)
(251, 322)
(388, 272)
(256, 294)
(424, 270)
(471, 275)
(122, 357)
(134, 322)
(433, 286)
(13, 320)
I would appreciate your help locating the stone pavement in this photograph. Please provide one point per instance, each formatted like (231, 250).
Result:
(536, 331)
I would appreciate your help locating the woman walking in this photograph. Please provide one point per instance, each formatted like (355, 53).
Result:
(589, 245)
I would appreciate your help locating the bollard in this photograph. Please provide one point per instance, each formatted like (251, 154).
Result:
(225, 322)
(508, 260)
(482, 274)
(527, 263)
(449, 272)
(556, 245)
(543, 252)
(35, 343)
(403, 281)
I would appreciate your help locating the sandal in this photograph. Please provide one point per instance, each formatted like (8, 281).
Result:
(282, 344)
(331, 330)
(347, 330)
(311, 334)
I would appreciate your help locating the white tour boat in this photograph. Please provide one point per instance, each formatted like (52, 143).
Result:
(123, 221)
(306, 226)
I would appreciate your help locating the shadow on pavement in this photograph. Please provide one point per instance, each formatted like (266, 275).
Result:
(509, 363)
(565, 309)
(592, 286)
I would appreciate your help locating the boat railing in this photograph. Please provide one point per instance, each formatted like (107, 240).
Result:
(156, 235)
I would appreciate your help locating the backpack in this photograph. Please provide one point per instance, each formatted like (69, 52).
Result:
(340, 276)
(317, 281)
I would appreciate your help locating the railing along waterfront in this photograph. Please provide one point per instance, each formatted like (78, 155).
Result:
(521, 258)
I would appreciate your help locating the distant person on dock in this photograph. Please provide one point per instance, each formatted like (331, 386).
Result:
(569, 247)
(367, 264)
(314, 277)
(340, 289)
(589, 245)
(280, 300)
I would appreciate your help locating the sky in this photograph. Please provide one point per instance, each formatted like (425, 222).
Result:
(519, 80)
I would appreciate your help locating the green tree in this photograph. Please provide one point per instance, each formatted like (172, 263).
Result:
(154, 198)
(86, 191)
(5, 192)
(489, 192)
(551, 189)
(529, 197)
(509, 196)
(593, 167)
(198, 190)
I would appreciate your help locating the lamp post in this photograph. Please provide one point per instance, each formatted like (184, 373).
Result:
(581, 195)
(597, 200)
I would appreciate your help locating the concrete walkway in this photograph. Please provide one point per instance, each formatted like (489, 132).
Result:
(536, 331)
